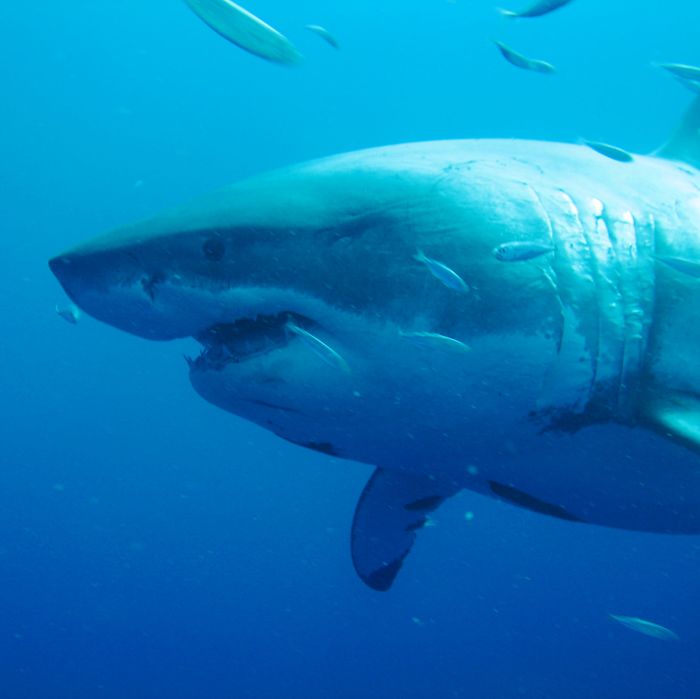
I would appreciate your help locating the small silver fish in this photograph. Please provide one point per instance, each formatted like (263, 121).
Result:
(324, 34)
(443, 273)
(543, 7)
(245, 30)
(683, 71)
(319, 347)
(520, 61)
(435, 341)
(69, 313)
(612, 152)
(688, 76)
(690, 268)
(648, 628)
(521, 250)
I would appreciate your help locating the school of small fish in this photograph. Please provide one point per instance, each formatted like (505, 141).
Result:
(252, 34)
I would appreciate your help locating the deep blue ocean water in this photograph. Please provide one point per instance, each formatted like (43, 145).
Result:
(153, 546)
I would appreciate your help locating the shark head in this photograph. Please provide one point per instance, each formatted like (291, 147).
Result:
(331, 249)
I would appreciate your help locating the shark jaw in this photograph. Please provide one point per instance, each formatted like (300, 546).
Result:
(250, 363)
(256, 367)
(242, 340)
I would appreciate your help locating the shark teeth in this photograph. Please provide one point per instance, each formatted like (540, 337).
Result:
(243, 339)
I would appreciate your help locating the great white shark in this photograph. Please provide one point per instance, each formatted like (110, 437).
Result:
(579, 396)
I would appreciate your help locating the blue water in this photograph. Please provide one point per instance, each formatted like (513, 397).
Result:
(154, 546)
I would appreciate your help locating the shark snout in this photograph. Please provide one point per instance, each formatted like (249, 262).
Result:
(109, 285)
(83, 268)
(69, 265)
(76, 270)
(66, 268)
(123, 287)
(59, 264)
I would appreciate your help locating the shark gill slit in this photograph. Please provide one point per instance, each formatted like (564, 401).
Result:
(565, 393)
(638, 320)
(584, 261)
(612, 304)
(551, 274)
(620, 251)
(635, 290)
(590, 263)
(594, 271)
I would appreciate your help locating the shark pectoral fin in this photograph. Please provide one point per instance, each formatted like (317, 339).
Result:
(393, 506)
(685, 142)
(678, 416)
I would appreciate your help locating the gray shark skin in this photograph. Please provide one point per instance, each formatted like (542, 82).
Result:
(578, 397)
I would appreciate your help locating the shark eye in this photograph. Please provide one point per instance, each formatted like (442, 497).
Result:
(214, 249)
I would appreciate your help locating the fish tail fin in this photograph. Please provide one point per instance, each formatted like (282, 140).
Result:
(684, 144)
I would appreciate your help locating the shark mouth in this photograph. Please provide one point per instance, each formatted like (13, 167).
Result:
(244, 339)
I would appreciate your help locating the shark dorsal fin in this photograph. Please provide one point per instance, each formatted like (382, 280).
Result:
(685, 142)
